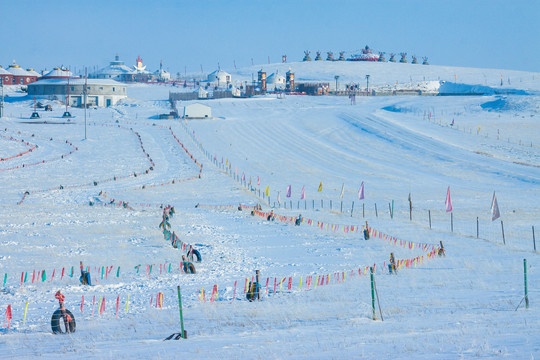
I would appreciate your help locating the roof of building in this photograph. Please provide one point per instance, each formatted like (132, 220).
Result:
(58, 73)
(4, 71)
(76, 81)
(116, 67)
(219, 72)
(16, 70)
(33, 72)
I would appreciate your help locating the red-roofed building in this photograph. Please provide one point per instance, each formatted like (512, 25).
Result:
(21, 76)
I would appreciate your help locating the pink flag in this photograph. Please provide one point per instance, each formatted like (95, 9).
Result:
(258, 181)
(243, 177)
(361, 192)
(495, 214)
(289, 191)
(303, 195)
(448, 202)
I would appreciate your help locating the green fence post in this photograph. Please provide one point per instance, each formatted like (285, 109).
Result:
(525, 281)
(372, 293)
(181, 316)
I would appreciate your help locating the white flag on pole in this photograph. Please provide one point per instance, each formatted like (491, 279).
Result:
(495, 214)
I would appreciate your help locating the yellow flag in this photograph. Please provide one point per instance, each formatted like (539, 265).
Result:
(267, 190)
(320, 187)
(227, 162)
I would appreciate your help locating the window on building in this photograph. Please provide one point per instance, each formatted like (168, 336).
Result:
(113, 89)
(73, 88)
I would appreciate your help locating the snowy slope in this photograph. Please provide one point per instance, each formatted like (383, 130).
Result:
(462, 305)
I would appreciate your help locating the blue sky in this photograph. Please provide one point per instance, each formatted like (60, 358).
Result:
(188, 34)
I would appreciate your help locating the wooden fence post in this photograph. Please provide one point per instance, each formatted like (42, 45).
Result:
(502, 229)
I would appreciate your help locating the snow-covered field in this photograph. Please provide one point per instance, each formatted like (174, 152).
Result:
(56, 211)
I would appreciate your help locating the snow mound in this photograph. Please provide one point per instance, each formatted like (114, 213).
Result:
(449, 88)
(512, 104)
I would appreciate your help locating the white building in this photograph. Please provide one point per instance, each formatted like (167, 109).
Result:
(219, 77)
(100, 92)
(161, 74)
(276, 81)
(197, 111)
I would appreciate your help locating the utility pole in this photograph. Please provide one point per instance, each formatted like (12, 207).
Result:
(85, 93)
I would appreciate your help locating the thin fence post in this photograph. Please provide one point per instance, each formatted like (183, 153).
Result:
(291, 204)
(305, 204)
(502, 229)
(313, 204)
(372, 293)
(341, 207)
(429, 216)
(525, 281)
(352, 209)
(322, 203)
(363, 211)
(477, 228)
(452, 221)
(534, 240)
(330, 204)
(376, 213)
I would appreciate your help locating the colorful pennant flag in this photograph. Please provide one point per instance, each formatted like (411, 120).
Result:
(320, 187)
(448, 202)
(361, 192)
(267, 190)
(342, 191)
(289, 191)
(303, 194)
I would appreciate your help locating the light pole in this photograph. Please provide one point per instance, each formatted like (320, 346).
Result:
(337, 78)
(367, 84)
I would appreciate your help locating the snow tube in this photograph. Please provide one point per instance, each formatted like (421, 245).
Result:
(85, 278)
(59, 325)
(197, 254)
(189, 268)
(253, 292)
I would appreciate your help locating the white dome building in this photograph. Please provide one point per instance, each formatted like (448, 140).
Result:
(114, 71)
(275, 79)
(220, 77)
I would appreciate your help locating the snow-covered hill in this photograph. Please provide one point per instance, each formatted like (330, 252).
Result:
(57, 209)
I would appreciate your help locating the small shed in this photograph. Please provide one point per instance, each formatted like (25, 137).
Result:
(197, 111)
